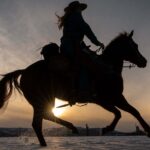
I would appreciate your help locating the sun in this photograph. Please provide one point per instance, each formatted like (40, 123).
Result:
(59, 111)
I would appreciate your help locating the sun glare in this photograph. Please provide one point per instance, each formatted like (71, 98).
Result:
(59, 111)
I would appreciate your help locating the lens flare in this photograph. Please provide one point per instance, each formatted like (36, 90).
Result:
(59, 111)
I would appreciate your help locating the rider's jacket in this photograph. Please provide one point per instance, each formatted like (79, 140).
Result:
(76, 28)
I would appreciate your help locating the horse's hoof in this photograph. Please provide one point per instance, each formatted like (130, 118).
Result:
(104, 131)
(43, 144)
(148, 135)
(75, 131)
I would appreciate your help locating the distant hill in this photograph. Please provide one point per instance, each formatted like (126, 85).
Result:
(15, 132)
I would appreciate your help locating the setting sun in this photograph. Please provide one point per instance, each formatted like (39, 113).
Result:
(59, 111)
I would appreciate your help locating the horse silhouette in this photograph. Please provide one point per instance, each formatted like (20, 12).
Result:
(40, 86)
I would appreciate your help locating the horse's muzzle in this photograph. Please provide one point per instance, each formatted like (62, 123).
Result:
(142, 64)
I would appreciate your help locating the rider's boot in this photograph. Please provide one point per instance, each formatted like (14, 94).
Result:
(74, 89)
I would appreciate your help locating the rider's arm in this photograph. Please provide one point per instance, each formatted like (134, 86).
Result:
(85, 28)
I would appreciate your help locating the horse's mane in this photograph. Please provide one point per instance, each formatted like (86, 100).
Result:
(116, 42)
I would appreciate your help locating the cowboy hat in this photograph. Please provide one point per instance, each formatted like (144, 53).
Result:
(75, 5)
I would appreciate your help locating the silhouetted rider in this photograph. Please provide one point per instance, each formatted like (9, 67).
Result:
(74, 30)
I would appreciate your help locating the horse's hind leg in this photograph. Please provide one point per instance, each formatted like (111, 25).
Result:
(117, 114)
(50, 116)
(37, 126)
(124, 105)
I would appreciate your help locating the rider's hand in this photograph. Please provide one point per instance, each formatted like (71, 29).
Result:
(101, 45)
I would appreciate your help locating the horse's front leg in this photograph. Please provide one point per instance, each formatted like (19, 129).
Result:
(117, 115)
(50, 116)
(37, 126)
(124, 105)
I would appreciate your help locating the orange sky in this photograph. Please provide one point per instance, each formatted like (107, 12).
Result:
(28, 25)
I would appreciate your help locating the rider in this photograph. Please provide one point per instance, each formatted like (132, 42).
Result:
(74, 30)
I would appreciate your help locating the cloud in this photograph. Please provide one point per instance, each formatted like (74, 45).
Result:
(26, 25)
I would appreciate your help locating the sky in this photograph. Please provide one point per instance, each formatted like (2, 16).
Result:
(26, 25)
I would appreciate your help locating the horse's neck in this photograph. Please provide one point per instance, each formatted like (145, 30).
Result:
(115, 63)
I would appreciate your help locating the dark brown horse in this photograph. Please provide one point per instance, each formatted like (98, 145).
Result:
(41, 86)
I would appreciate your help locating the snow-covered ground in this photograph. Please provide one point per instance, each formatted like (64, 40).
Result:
(78, 143)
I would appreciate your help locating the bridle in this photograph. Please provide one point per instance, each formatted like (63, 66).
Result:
(127, 64)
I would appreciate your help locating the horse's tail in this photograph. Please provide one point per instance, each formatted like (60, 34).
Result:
(7, 84)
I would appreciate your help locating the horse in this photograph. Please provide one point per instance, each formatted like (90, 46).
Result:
(40, 86)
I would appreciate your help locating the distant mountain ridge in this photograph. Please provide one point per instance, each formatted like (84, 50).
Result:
(16, 132)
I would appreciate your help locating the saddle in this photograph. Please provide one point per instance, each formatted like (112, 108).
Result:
(58, 63)
(54, 60)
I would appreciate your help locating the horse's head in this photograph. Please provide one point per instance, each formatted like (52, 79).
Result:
(124, 48)
(131, 52)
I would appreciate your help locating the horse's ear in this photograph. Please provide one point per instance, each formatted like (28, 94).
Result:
(131, 34)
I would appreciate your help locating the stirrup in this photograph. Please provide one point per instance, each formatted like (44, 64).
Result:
(72, 103)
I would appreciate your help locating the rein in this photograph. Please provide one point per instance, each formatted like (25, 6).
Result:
(71, 105)
(100, 49)
(130, 66)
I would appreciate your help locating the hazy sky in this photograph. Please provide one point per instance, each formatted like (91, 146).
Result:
(26, 25)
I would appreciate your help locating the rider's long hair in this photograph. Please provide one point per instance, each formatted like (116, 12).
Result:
(62, 19)
(71, 8)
